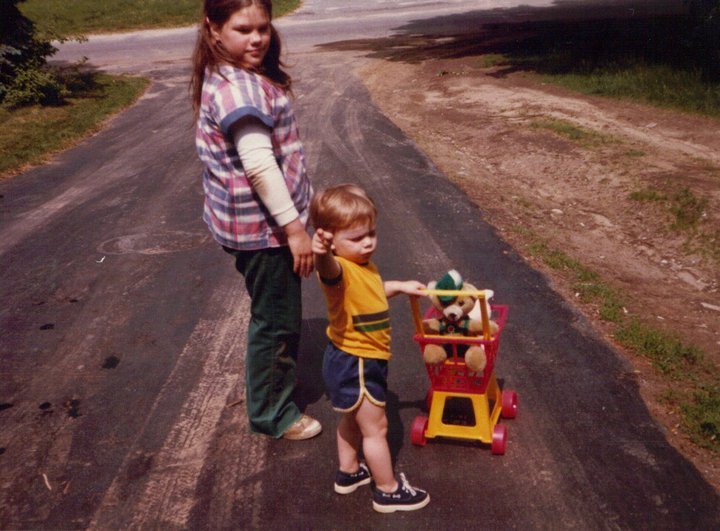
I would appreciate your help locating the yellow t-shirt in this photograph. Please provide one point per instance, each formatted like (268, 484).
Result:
(358, 311)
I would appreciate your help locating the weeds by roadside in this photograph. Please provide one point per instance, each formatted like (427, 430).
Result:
(694, 390)
(691, 380)
(686, 212)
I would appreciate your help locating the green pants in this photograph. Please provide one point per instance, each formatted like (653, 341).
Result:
(273, 337)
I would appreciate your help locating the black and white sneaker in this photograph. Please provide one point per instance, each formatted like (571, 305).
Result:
(346, 483)
(405, 498)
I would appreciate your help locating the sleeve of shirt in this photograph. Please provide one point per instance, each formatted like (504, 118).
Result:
(254, 146)
(240, 96)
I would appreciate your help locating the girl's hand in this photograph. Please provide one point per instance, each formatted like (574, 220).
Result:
(301, 247)
(322, 242)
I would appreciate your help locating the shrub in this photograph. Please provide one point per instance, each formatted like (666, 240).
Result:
(34, 85)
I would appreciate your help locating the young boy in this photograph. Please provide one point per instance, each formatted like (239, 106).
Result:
(355, 362)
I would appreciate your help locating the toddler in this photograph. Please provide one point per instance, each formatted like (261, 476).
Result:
(355, 364)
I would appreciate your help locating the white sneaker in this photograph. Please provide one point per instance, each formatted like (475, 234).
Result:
(304, 428)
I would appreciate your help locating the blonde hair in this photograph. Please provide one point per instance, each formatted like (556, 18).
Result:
(208, 54)
(341, 207)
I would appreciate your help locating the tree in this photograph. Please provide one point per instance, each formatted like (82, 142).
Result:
(705, 37)
(24, 79)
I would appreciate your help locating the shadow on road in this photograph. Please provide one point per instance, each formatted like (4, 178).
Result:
(310, 387)
(567, 37)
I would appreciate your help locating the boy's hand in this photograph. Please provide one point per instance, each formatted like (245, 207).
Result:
(413, 287)
(322, 242)
(322, 247)
(409, 287)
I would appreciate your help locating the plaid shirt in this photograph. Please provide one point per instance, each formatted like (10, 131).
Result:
(233, 212)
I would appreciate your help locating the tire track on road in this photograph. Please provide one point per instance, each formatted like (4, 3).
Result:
(166, 497)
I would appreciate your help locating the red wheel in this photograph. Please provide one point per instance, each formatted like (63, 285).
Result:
(428, 399)
(417, 432)
(499, 439)
(509, 404)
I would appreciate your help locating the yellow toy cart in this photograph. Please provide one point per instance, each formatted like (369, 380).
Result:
(452, 380)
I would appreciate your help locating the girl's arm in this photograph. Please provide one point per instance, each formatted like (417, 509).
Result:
(409, 287)
(254, 147)
(327, 267)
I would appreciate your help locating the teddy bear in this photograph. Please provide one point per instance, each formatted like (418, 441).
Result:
(459, 315)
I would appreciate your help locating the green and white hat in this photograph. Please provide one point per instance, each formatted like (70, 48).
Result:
(452, 280)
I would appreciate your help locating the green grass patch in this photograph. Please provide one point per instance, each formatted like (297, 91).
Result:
(687, 209)
(68, 18)
(28, 134)
(572, 132)
(648, 194)
(687, 212)
(668, 354)
(489, 60)
(705, 243)
(701, 416)
(634, 153)
(655, 84)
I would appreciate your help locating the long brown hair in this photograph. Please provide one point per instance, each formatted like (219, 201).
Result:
(208, 54)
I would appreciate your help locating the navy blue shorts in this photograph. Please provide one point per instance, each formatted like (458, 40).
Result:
(349, 378)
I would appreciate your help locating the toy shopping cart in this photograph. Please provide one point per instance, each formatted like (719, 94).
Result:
(452, 383)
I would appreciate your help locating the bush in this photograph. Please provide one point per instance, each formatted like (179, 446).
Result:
(35, 86)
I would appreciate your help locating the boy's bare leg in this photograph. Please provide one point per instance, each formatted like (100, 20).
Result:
(373, 425)
(349, 439)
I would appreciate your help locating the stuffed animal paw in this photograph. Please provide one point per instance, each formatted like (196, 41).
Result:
(434, 354)
(475, 358)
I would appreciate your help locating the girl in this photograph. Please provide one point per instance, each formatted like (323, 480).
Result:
(256, 195)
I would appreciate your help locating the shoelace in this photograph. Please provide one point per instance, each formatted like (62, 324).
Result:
(406, 484)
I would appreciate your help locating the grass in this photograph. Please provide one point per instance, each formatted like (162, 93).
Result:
(29, 134)
(648, 194)
(492, 59)
(668, 354)
(701, 415)
(687, 209)
(77, 17)
(585, 137)
(659, 85)
(698, 399)
(687, 213)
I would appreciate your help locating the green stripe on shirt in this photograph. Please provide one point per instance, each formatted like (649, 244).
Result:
(371, 317)
(372, 327)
